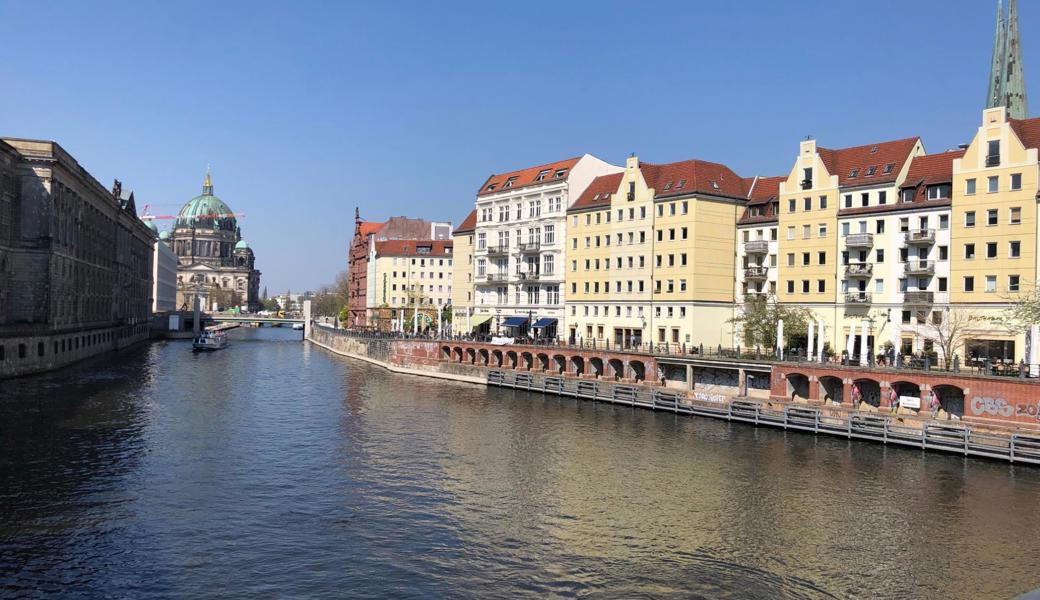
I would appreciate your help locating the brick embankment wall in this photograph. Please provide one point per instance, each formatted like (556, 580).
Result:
(412, 357)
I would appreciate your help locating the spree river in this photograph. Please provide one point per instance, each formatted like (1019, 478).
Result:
(277, 469)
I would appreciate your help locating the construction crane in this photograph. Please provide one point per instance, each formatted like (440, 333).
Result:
(147, 217)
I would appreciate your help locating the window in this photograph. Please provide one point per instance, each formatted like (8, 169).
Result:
(992, 184)
(685, 207)
(805, 286)
(879, 286)
(682, 232)
(864, 198)
(993, 153)
(1013, 283)
(942, 284)
(806, 231)
(991, 249)
(844, 230)
(969, 284)
(822, 256)
(908, 195)
(991, 216)
(1016, 181)
(790, 286)
(969, 187)
(944, 253)
(792, 205)
(937, 192)
(991, 283)
(969, 218)
(682, 285)
(805, 259)
(790, 259)
(880, 255)
(823, 202)
(823, 230)
(807, 204)
(879, 226)
(1015, 215)
(790, 232)
(882, 197)
(906, 316)
(848, 200)
(1015, 249)
(821, 286)
(944, 221)
(969, 251)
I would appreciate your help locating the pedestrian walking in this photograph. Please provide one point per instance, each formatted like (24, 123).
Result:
(893, 400)
(933, 403)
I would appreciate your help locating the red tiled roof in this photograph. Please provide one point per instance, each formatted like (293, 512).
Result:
(469, 223)
(408, 248)
(690, 176)
(764, 189)
(861, 158)
(1027, 130)
(932, 168)
(598, 193)
(526, 177)
(369, 227)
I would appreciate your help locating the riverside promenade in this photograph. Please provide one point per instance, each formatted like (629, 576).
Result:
(980, 415)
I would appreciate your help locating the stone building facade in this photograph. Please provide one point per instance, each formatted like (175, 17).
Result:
(75, 261)
(214, 262)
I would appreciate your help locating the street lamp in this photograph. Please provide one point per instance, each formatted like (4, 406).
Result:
(530, 323)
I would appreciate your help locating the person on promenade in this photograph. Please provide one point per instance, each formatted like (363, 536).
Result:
(856, 395)
(893, 400)
(933, 403)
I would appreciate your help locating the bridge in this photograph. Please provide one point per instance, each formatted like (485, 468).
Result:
(222, 318)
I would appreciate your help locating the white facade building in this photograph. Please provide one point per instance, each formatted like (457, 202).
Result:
(164, 278)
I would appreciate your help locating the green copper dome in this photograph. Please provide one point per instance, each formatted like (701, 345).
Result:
(151, 225)
(241, 245)
(206, 211)
(164, 235)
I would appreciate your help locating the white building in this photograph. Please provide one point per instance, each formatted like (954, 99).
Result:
(164, 277)
(519, 250)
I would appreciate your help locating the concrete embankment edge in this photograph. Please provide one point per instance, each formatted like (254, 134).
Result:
(404, 370)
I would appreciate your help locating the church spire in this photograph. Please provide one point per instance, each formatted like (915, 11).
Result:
(207, 184)
(1006, 79)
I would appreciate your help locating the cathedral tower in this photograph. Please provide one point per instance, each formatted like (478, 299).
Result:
(1006, 80)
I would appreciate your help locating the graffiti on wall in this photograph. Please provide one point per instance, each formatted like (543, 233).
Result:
(999, 407)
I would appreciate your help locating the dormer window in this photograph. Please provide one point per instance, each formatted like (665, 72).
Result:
(668, 186)
(509, 182)
(873, 150)
(888, 168)
(870, 172)
(560, 173)
(715, 185)
(492, 187)
(542, 175)
(853, 173)
(908, 194)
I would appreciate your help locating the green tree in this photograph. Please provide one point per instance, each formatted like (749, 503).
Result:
(759, 317)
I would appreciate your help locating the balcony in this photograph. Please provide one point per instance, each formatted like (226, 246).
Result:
(993, 160)
(756, 247)
(918, 297)
(807, 184)
(858, 298)
(529, 276)
(859, 269)
(920, 237)
(756, 273)
(530, 247)
(925, 268)
(496, 277)
(497, 250)
(859, 240)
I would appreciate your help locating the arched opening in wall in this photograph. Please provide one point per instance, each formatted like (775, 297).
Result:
(511, 359)
(543, 362)
(907, 388)
(458, 353)
(526, 360)
(617, 368)
(579, 365)
(485, 358)
(496, 358)
(638, 369)
(597, 366)
(559, 363)
(832, 388)
(869, 391)
(797, 386)
(951, 399)
(446, 352)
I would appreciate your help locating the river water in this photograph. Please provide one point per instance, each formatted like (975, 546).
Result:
(276, 469)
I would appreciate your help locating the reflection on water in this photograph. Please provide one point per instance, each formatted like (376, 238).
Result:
(276, 469)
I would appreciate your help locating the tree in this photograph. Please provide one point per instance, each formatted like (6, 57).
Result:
(759, 318)
(951, 330)
(1023, 313)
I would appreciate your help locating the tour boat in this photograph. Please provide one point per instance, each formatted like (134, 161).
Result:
(210, 340)
(297, 326)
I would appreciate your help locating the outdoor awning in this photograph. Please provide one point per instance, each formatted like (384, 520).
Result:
(514, 322)
(545, 322)
(478, 320)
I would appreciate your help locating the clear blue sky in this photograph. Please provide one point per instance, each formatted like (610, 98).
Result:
(307, 109)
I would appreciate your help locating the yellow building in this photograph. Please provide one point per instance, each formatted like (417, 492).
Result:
(462, 289)
(413, 283)
(994, 237)
(651, 253)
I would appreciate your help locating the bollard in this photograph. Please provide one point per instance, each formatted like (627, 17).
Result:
(1021, 368)
(870, 360)
(956, 364)
(899, 360)
(701, 350)
(758, 352)
(738, 350)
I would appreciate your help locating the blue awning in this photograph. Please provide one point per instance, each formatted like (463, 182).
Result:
(514, 322)
(544, 322)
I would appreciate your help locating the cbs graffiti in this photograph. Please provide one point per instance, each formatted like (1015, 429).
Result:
(999, 407)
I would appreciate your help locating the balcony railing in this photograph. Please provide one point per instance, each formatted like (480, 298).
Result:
(530, 247)
(920, 267)
(859, 240)
(859, 269)
(920, 236)
(993, 160)
(756, 247)
(496, 277)
(529, 276)
(918, 297)
(756, 273)
(806, 184)
(491, 250)
(858, 298)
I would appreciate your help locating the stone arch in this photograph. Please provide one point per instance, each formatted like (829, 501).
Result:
(543, 361)
(797, 386)
(596, 364)
(511, 360)
(617, 368)
(446, 352)
(559, 364)
(638, 369)
(485, 358)
(869, 390)
(906, 388)
(951, 399)
(578, 365)
(526, 360)
(496, 358)
(458, 353)
(832, 388)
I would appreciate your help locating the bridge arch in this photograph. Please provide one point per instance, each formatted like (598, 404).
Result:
(951, 399)
(596, 364)
(496, 358)
(797, 386)
(832, 388)
(559, 364)
(869, 391)
(543, 361)
(446, 352)
(485, 358)
(578, 365)
(638, 370)
(526, 360)
(617, 368)
(511, 361)
(906, 388)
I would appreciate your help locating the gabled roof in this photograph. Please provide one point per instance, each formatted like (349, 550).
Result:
(468, 224)
(860, 159)
(930, 169)
(693, 176)
(369, 227)
(1027, 130)
(598, 193)
(764, 189)
(409, 248)
(554, 171)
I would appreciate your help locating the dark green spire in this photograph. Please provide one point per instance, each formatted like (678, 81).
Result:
(1006, 79)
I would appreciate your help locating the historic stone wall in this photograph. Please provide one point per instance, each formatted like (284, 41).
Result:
(36, 353)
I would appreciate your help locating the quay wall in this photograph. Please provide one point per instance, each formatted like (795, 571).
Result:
(37, 352)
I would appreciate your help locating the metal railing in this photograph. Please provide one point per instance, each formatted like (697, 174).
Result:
(920, 267)
(918, 297)
(756, 247)
(859, 269)
(920, 236)
(497, 250)
(496, 277)
(859, 240)
(858, 298)
(529, 276)
(756, 273)
(530, 247)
